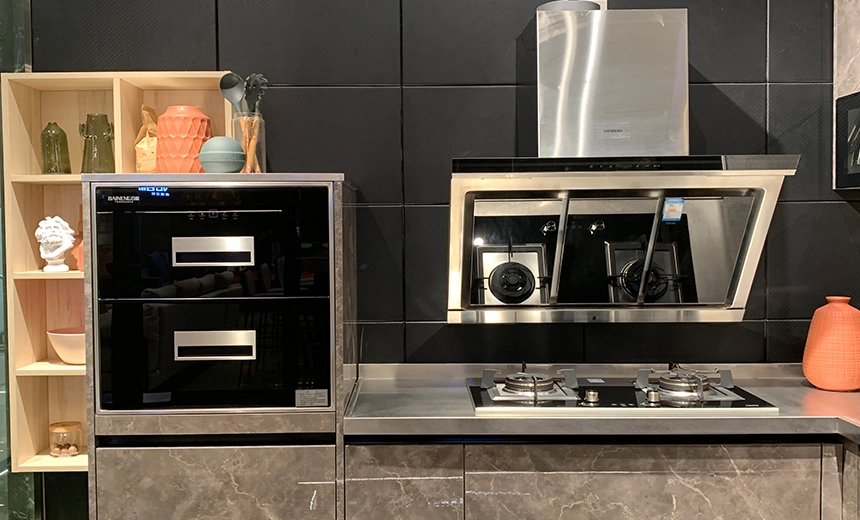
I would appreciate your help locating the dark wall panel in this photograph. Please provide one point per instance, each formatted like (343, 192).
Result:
(800, 120)
(728, 119)
(464, 42)
(727, 38)
(381, 342)
(319, 42)
(380, 263)
(813, 251)
(351, 130)
(426, 263)
(800, 40)
(111, 35)
(441, 123)
(530, 343)
(786, 340)
(675, 342)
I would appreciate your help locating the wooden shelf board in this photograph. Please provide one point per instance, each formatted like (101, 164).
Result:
(52, 180)
(43, 463)
(64, 80)
(42, 275)
(51, 368)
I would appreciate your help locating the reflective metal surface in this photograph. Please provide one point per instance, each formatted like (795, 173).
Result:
(203, 345)
(417, 399)
(611, 83)
(573, 208)
(212, 251)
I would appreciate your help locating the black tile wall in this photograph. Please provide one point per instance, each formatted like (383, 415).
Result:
(441, 123)
(442, 343)
(813, 251)
(800, 41)
(785, 340)
(350, 130)
(757, 302)
(675, 342)
(381, 342)
(463, 42)
(390, 91)
(728, 119)
(65, 497)
(727, 38)
(380, 263)
(320, 42)
(109, 35)
(426, 263)
(800, 120)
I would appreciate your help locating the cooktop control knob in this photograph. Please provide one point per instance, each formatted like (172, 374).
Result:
(653, 396)
(591, 396)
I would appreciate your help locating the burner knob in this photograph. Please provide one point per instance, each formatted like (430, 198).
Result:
(591, 396)
(653, 396)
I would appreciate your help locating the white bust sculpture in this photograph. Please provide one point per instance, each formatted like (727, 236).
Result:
(55, 237)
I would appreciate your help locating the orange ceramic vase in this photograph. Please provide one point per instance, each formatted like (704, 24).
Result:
(831, 360)
(182, 130)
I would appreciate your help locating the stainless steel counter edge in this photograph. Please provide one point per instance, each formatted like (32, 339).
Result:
(416, 399)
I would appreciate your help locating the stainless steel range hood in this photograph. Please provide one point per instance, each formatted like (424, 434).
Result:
(657, 239)
(611, 83)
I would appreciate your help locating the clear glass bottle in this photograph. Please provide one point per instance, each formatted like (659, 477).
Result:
(66, 439)
(249, 129)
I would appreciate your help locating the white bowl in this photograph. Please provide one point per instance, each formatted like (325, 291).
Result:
(69, 344)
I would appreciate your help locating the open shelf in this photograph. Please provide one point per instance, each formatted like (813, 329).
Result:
(42, 275)
(44, 463)
(51, 368)
(55, 180)
(44, 390)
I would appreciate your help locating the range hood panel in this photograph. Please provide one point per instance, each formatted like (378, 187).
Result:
(673, 239)
(611, 83)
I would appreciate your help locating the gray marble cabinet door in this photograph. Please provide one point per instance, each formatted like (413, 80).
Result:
(404, 482)
(732, 482)
(216, 483)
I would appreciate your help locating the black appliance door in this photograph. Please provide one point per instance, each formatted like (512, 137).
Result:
(214, 353)
(196, 242)
(213, 297)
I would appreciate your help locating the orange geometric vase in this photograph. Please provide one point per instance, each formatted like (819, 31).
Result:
(182, 130)
(831, 360)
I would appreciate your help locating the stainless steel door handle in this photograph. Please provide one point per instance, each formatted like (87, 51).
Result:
(213, 251)
(214, 345)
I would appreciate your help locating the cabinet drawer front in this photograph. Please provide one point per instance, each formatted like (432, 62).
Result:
(248, 482)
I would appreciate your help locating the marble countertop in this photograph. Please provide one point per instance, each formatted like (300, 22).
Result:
(434, 400)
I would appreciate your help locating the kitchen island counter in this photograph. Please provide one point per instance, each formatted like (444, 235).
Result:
(422, 400)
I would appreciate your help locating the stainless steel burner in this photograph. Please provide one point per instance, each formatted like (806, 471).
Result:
(528, 382)
(684, 382)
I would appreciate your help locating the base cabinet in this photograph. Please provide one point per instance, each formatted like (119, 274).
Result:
(251, 483)
(579, 482)
(385, 482)
(763, 482)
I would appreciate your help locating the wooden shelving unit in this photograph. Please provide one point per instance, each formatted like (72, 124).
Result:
(42, 389)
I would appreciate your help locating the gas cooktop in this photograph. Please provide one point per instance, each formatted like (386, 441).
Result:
(673, 392)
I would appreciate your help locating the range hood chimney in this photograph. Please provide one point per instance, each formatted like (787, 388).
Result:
(611, 83)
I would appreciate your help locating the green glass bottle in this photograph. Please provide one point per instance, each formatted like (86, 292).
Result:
(55, 150)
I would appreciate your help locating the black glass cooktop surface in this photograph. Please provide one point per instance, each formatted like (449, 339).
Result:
(620, 398)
